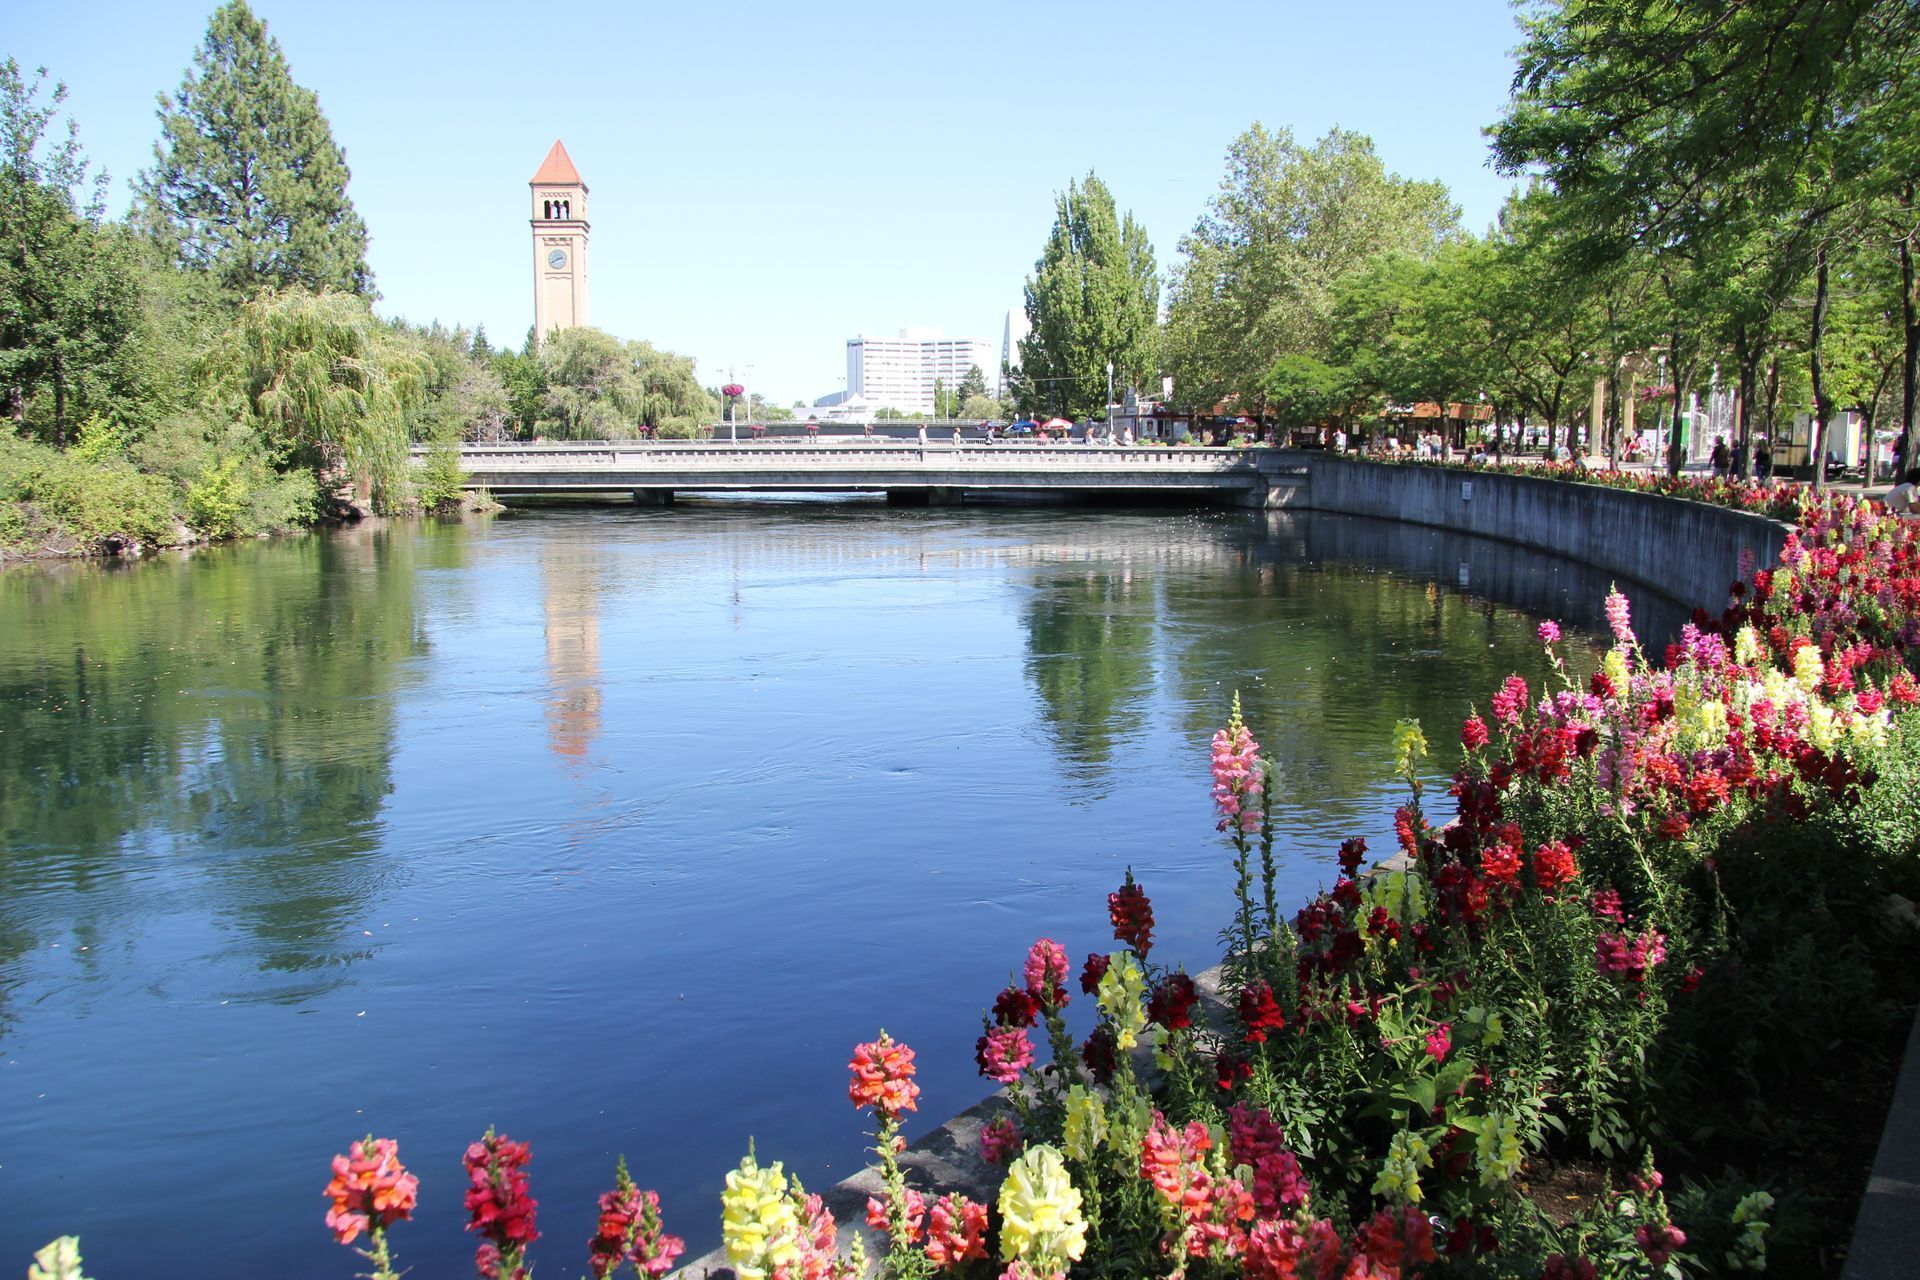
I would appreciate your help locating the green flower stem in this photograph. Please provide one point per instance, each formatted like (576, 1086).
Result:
(896, 1185)
(1243, 893)
(378, 1255)
(1266, 859)
(1064, 1057)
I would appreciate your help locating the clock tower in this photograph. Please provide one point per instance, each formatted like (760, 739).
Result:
(559, 245)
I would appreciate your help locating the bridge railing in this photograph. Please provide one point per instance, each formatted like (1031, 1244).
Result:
(879, 455)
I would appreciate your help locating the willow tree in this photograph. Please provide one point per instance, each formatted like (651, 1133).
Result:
(329, 389)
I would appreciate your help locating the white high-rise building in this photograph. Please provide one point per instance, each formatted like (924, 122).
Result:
(899, 373)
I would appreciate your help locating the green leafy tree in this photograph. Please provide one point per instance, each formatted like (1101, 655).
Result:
(764, 411)
(1304, 390)
(520, 372)
(1093, 301)
(1663, 124)
(462, 397)
(248, 184)
(70, 304)
(1261, 269)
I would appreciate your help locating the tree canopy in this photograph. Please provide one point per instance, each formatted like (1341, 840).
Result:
(1093, 300)
(1262, 267)
(248, 183)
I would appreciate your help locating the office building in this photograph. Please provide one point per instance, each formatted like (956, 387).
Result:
(899, 373)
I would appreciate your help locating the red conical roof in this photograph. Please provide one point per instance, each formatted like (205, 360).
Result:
(557, 169)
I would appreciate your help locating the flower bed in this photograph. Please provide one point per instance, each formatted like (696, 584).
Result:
(1627, 1013)
(1779, 500)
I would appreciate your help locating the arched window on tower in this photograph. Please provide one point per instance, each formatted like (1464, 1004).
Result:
(546, 210)
(566, 209)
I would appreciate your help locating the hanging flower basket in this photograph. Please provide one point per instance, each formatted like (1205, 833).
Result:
(733, 390)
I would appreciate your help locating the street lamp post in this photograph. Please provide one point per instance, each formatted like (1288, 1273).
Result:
(1109, 402)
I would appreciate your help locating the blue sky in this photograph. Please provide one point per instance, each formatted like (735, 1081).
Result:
(770, 179)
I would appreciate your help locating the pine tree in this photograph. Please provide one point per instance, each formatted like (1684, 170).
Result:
(1094, 299)
(973, 384)
(248, 183)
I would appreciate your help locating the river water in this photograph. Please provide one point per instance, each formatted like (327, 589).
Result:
(616, 828)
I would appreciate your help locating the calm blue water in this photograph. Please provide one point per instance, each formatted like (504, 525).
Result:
(617, 828)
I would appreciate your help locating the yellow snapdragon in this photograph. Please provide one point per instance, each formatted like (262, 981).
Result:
(1615, 665)
(1121, 996)
(758, 1221)
(1497, 1149)
(1749, 1252)
(1399, 1179)
(1040, 1219)
(1821, 731)
(1086, 1123)
(1869, 730)
(1409, 746)
(1808, 669)
(1746, 646)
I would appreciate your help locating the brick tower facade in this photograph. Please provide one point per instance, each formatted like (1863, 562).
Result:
(559, 245)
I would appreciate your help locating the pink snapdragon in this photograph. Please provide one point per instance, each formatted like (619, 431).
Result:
(1618, 956)
(1046, 973)
(956, 1231)
(1239, 781)
(1001, 1140)
(1003, 1053)
(1508, 703)
(1620, 617)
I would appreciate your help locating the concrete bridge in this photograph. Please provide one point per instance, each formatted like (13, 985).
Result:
(940, 473)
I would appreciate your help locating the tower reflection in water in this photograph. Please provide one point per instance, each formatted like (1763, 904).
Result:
(571, 596)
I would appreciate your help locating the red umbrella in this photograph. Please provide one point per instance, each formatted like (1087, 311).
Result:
(1056, 424)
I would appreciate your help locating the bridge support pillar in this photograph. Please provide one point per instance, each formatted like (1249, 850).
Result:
(653, 497)
(1275, 493)
(941, 495)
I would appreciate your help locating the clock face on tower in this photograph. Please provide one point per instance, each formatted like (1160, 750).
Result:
(557, 259)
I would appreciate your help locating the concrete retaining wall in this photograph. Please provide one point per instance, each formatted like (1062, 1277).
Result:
(1689, 552)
